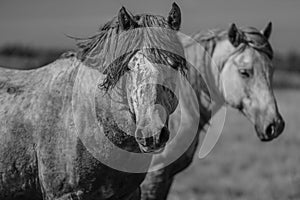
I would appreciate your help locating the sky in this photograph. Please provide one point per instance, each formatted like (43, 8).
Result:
(44, 23)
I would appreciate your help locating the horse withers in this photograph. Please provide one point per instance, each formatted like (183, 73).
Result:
(232, 67)
(69, 128)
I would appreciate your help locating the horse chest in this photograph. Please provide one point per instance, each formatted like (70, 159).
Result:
(96, 180)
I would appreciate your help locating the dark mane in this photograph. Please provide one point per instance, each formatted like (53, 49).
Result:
(255, 39)
(252, 37)
(110, 50)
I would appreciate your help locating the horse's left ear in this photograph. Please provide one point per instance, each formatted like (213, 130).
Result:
(267, 31)
(174, 18)
(234, 36)
(126, 19)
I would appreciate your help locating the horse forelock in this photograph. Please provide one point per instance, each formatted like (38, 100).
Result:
(255, 39)
(110, 50)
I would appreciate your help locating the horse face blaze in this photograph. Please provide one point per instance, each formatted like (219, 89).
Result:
(151, 103)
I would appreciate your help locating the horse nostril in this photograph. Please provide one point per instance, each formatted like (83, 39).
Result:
(164, 135)
(270, 131)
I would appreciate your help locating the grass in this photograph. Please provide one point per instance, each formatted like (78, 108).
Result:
(240, 167)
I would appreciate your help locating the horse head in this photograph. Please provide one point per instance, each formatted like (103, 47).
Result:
(151, 80)
(141, 57)
(245, 78)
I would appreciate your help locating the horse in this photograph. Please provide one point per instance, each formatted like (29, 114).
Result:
(232, 67)
(61, 124)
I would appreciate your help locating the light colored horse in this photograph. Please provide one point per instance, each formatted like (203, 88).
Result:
(60, 124)
(236, 65)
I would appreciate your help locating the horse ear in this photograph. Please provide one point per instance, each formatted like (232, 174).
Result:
(174, 18)
(267, 31)
(235, 37)
(126, 20)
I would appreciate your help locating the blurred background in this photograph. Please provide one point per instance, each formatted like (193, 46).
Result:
(32, 34)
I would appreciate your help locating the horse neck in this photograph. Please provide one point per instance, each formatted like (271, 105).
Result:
(204, 78)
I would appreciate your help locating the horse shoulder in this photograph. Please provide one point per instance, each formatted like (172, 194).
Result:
(56, 134)
(35, 116)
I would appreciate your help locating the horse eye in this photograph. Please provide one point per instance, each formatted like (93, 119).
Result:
(246, 73)
(171, 62)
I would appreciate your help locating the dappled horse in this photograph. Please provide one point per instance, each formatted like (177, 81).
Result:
(61, 125)
(235, 67)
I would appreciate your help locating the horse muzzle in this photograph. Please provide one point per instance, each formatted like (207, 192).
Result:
(271, 130)
(152, 144)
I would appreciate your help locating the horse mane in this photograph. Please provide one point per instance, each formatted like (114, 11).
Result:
(111, 48)
(251, 37)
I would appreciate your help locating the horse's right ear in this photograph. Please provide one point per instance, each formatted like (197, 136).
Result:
(234, 35)
(126, 19)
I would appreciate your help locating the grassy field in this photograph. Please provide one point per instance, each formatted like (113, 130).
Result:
(240, 167)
